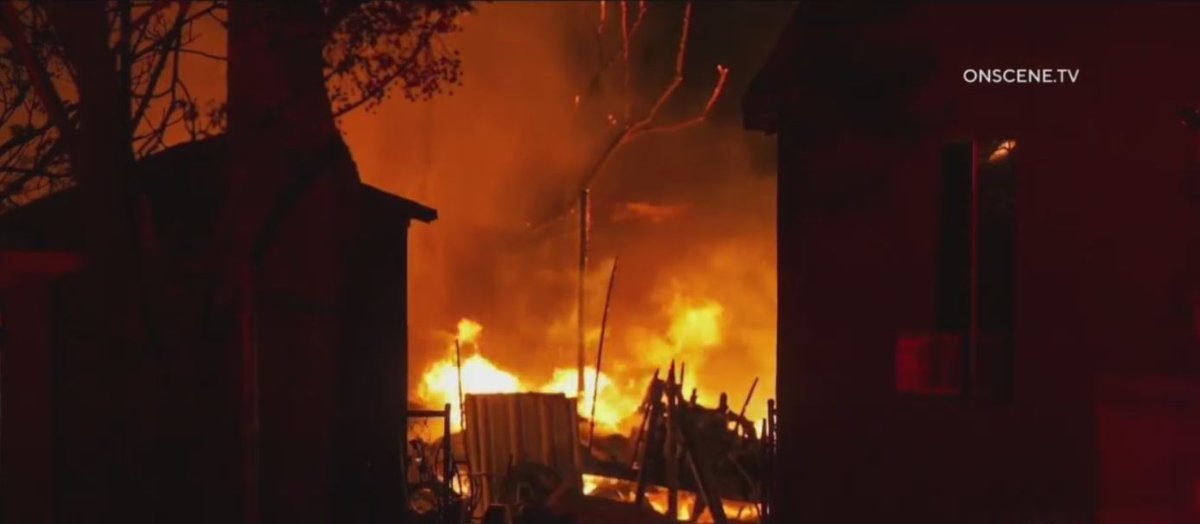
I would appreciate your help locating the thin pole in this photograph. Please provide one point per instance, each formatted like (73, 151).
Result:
(462, 406)
(584, 223)
(750, 395)
(612, 277)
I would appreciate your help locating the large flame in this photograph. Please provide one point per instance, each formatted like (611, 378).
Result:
(614, 407)
(695, 329)
(468, 331)
(439, 384)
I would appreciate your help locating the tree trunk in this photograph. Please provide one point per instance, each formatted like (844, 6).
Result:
(290, 201)
(102, 431)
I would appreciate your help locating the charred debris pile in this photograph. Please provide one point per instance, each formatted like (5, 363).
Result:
(531, 458)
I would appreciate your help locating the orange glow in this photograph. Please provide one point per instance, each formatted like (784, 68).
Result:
(700, 285)
(614, 407)
(653, 213)
(439, 386)
(1002, 151)
(468, 331)
(656, 496)
(697, 326)
(695, 329)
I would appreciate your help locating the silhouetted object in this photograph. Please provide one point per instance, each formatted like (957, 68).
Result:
(600, 357)
(505, 431)
(430, 498)
(1073, 306)
(497, 514)
(196, 419)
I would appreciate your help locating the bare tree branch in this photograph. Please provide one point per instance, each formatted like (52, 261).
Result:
(11, 26)
(161, 63)
(200, 53)
(649, 122)
(20, 139)
(51, 157)
(377, 46)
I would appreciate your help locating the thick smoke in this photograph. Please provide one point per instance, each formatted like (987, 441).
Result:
(691, 214)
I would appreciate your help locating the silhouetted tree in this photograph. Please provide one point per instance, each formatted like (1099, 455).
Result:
(89, 88)
(373, 49)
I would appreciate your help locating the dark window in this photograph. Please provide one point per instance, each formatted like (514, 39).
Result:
(969, 349)
(995, 267)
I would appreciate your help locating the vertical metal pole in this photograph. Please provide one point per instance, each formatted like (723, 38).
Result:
(584, 225)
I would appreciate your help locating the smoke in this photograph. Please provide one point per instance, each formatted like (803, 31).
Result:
(690, 214)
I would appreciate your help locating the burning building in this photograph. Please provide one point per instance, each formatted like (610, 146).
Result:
(986, 290)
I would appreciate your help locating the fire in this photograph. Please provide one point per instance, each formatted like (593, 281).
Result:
(657, 496)
(439, 384)
(613, 406)
(468, 331)
(697, 327)
(695, 330)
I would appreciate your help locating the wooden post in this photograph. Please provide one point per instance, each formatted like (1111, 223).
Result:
(750, 395)
(699, 459)
(653, 400)
(642, 428)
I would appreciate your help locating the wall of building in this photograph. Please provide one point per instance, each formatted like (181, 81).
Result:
(1103, 256)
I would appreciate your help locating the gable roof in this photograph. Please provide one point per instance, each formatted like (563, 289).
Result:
(184, 187)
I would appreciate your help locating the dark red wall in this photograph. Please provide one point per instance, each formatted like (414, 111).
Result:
(1103, 267)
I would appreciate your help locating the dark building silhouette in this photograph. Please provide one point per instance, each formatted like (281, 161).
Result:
(184, 438)
(987, 291)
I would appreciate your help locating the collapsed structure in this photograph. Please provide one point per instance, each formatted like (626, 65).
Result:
(522, 457)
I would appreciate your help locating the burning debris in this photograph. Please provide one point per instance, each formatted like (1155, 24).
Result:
(525, 449)
(524, 455)
(652, 455)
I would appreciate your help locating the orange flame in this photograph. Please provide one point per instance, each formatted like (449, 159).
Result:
(656, 496)
(439, 385)
(695, 331)
(468, 331)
